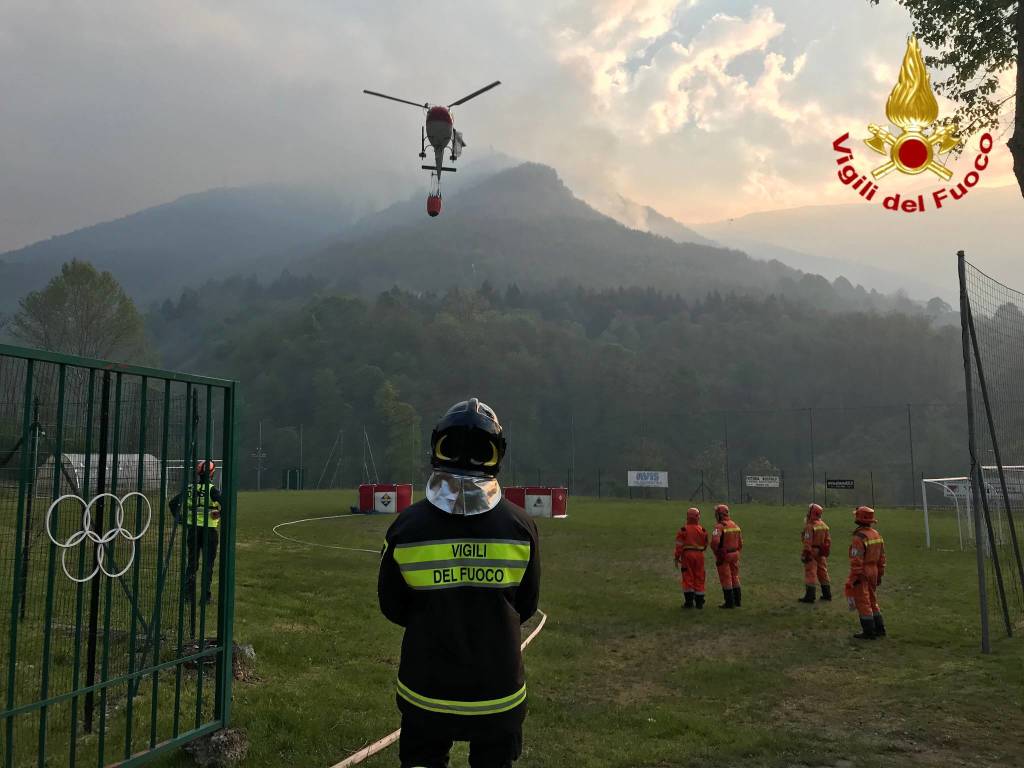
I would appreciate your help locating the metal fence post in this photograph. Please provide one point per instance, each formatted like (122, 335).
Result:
(30, 503)
(810, 416)
(910, 444)
(97, 527)
(12, 647)
(986, 645)
(725, 417)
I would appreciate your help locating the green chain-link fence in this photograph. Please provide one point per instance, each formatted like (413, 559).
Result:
(111, 652)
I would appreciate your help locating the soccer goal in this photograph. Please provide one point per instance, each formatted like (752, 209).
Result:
(947, 500)
(947, 504)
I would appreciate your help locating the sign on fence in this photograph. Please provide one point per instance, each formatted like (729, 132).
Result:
(642, 478)
(762, 481)
(958, 491)
(839, 485)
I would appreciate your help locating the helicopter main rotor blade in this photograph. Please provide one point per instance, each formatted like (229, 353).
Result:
(395, 98)
(474, 94)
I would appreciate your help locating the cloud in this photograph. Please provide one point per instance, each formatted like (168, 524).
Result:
(619, 31)
(703, 109)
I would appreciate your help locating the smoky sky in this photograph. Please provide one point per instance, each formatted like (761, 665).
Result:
(704, 109)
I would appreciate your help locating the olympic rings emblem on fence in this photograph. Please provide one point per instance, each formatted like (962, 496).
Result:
(101, 542)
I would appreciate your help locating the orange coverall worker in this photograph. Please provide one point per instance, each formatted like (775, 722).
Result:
(817, 545)
(867, 566)
(726, 544)
(691, 541)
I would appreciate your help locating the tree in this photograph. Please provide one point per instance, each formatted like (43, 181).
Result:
(976, 42)
(82, 311)
(402, 426)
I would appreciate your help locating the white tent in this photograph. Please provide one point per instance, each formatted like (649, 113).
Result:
(127, 467)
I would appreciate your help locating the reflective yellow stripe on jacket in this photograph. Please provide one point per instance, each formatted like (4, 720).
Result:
(445, 706)
(453, 563)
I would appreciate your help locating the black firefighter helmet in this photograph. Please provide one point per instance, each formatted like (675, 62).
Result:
(468, 440)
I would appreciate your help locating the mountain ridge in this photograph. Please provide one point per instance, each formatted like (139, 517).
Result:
(525, 226)
(204, 235)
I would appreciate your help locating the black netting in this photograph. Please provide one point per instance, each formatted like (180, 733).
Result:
(994, 352)
(816, 453)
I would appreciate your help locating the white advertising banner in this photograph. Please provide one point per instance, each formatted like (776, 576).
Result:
(539, 505)
(644, 478)
(958, 491)
(961, 490)
(762, 481)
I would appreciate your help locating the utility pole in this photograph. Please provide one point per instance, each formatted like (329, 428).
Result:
(910, 441)
(571, 480)
(810, 415)
(259, 454)
(300, 480)
(725, 417)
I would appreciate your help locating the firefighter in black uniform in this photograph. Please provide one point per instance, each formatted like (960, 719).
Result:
(460, 571)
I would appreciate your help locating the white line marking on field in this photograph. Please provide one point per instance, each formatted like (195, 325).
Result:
(391, 738)
(315, 544)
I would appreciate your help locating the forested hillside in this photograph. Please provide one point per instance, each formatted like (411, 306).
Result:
(524, 226)
(602, 347)
(609, 380)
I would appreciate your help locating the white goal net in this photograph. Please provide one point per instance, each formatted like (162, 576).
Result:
(949, 505)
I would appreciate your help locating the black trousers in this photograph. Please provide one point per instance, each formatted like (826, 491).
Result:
(495, 741)
(200, 540)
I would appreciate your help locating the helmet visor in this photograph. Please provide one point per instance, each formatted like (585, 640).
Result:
(468, 449)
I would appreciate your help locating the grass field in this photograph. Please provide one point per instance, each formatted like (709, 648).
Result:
(621, 676)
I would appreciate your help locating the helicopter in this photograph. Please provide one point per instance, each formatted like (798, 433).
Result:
(439, 130)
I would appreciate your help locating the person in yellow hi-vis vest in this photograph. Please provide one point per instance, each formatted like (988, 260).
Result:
(201, 502)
